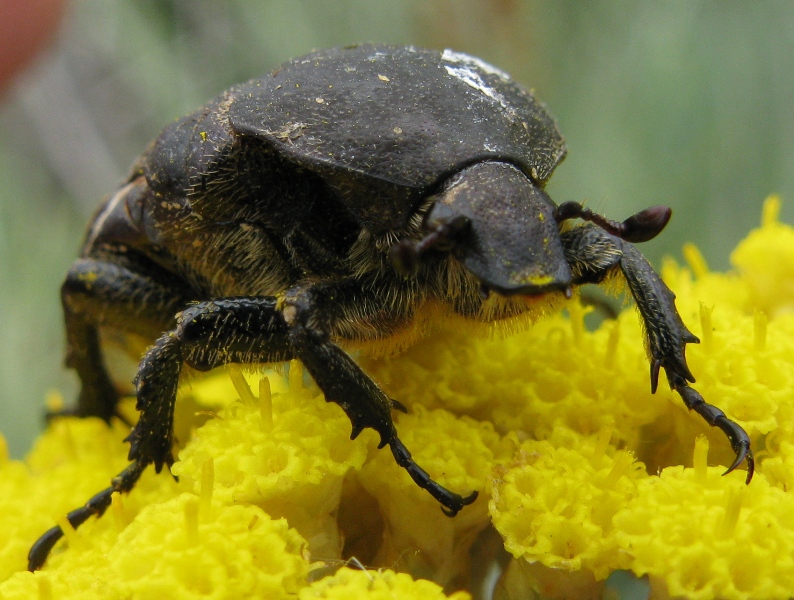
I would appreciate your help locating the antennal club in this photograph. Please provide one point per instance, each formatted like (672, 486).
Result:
(641, 227)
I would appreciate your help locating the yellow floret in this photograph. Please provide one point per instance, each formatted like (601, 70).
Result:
(554, 502)
(177, 550)
(290, 460)
(778, 464)
(212, 552)
(350, 584)
(701, 535)
(765, 261)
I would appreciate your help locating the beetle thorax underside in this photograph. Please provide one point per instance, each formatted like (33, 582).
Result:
(512, 242)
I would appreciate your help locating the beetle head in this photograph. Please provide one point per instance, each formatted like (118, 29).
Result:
(501, 226)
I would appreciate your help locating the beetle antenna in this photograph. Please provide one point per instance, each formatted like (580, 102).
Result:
(405, 253)
(641, 227)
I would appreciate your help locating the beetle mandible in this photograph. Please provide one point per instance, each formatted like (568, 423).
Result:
(332, 202)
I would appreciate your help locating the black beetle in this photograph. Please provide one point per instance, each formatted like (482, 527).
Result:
(332, 202)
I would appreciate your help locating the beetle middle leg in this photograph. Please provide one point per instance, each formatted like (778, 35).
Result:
(593, 254)
(207, 335)
(259, 330)
(343, 381)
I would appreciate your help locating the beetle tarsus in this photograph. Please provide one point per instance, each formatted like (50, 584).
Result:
(96, 506)
(451, 503)
(741, 446)
(740, 441)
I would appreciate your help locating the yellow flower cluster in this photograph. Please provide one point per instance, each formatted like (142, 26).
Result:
(349, 584)
(582, 472)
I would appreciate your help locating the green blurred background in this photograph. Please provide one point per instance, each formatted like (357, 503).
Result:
(681, 103)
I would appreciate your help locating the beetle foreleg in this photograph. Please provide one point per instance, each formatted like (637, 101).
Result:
(666, 332)
(593, 254)
(667, 340)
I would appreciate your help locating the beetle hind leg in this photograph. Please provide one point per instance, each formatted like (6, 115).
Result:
(98, 396)
(117, 292)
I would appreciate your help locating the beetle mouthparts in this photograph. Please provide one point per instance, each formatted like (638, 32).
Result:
(405, 253)
(640, 227)
(404, 257)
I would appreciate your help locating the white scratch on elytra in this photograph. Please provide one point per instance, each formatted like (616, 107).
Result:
(461, 58)
(471, 78)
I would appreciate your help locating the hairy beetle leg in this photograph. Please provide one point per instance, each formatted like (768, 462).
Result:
(740, 441)
(451, 502)
(254, 330)
(208, 335)
(96, 506)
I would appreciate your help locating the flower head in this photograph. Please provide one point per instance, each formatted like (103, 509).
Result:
(581, 471)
